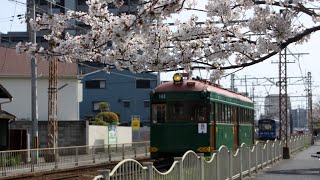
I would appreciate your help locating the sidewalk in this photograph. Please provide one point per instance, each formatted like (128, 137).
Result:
(300, 166)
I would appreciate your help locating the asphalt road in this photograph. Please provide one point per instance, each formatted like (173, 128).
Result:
(300, 166)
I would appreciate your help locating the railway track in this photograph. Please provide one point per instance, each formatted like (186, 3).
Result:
(82, 172)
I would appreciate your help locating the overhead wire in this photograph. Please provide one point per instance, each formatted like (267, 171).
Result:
(41, 10)
(300, 69)
(101, 69)
(5, 53)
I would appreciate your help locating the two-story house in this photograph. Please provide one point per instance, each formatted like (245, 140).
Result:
(126, 92)
(15, 75)
(5, 118)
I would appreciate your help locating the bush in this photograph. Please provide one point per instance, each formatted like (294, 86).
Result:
(13, 161)
(100, 122)
(108, 117)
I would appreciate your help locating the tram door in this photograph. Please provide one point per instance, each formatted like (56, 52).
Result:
(235, 127)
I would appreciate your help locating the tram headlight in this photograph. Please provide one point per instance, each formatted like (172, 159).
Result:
(177, 78)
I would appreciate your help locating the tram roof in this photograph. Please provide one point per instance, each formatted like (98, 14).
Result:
(187, 85)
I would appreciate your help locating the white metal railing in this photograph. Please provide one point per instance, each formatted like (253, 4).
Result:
(223, 164)
(22, 161)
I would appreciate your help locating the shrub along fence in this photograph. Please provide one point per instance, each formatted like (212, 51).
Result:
(224, 164)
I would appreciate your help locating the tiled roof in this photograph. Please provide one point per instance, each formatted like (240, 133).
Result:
(13, 64)
(6, 115)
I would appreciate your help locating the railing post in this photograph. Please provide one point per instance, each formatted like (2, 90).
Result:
(135, 151)
(77, 157)
(93, 156)
(217, 166)
(267, 156)
(105, 174)
(249, 164)
(256, 154)
(3, 163)
(262, 156)
(279, 150)
(273, 153)
(122, 151)
(180, 168)
(149, 170)
(241, 160)
(33, 160)
(230, 164)
(56, 158)
(109, 152)
(201, 165)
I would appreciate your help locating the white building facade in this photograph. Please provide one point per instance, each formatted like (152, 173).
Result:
(15, 77)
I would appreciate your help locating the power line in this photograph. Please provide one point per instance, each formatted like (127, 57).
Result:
(5, 53)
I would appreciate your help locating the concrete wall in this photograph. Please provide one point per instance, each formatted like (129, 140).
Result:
(70, 133)
(98, 135)
(79, 133)
(124, 134)
(20, 89)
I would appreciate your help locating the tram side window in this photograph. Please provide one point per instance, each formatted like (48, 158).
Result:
(212, 112)
(241, 119)
(200, 113)
(219, 115)
(181, 112)
(239, 115)
(251, 117)
(245, 119)
(228, 114)
(234, 114)
(224, 113)
(159, 113)
(247, 116)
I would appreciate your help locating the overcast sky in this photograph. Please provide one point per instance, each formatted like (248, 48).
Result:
(307, 63)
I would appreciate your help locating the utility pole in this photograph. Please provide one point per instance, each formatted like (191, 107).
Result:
(309, 106)
(245, 82)
(284, 130)
(283, 103)
(53, 100)
(34, 83)
(232, 82)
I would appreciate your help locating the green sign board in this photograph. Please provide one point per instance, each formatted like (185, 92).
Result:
(112, 134)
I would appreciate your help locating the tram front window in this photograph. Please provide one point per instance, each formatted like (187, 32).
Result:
(180, 112)
(266, 126)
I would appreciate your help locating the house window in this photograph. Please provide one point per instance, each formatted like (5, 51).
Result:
(146, 103)
(82, 2)
(96, 84)
(143, 84)
(96, 106)
(126, 103)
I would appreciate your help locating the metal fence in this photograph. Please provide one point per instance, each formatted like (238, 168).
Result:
(22, 161)
(224, 164)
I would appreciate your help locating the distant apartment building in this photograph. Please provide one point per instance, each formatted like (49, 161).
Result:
(299, 118)
(61, 6)
(271, 106)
